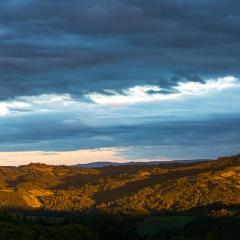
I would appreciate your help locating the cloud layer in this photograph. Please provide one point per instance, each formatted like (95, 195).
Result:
(132, 74)
(190, 121)
(147, 93)
(79, 46)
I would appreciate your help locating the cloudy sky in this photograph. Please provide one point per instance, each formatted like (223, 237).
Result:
(93, 80)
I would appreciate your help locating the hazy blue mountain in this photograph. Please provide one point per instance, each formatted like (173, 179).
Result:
(104, 164)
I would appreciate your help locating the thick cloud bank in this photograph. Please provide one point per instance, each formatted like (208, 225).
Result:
(132, 74)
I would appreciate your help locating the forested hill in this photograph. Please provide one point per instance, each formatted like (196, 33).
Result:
(129, 189)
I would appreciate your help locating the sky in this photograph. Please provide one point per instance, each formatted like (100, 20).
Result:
(118, 80)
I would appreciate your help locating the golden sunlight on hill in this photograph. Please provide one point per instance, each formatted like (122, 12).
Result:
(128, 189)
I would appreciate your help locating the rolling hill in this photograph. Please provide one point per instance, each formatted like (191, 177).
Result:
(127, 189)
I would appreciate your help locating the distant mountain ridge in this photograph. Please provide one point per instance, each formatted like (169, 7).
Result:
(105, 164)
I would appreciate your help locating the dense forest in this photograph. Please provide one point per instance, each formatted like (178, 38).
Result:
(97, 226)
(166, 201)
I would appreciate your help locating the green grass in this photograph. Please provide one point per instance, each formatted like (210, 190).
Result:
(153, 225)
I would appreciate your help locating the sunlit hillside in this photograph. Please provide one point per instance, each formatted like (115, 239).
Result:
(133, 189)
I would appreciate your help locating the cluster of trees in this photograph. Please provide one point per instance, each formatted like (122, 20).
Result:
(68, 200)
(202, 229)
(96, 226)
(19, 228)
(92, 226)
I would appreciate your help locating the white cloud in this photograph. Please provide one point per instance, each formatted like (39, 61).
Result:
(13, 106)
(44, 102)
(139, 94)
(212, 85)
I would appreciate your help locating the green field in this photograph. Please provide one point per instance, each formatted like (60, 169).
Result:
(153, 225)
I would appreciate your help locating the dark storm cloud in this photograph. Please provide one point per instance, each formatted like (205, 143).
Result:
(77, 46)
